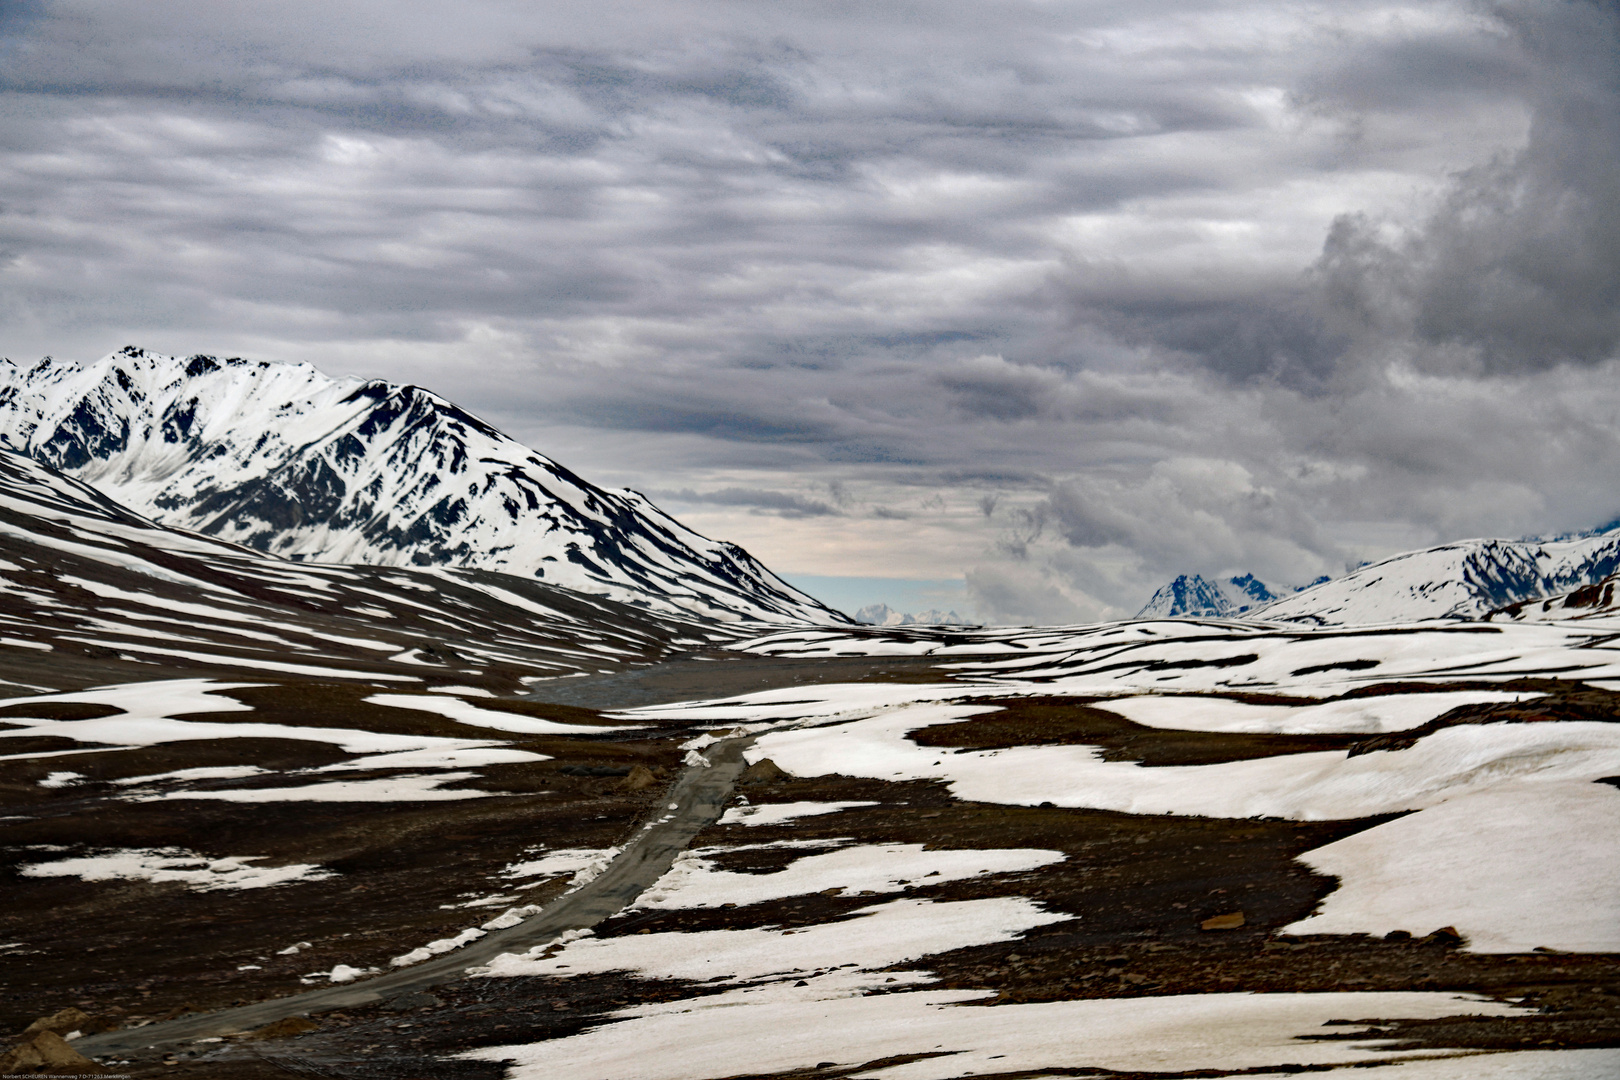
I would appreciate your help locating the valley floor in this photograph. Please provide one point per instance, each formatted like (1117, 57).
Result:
(1153, 850)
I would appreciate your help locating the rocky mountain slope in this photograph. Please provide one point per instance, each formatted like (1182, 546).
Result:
(1587, 602)
(283, 459)
(1464, 580)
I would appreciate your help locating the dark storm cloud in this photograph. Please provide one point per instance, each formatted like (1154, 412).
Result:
(1115, 291)
(1520, 265)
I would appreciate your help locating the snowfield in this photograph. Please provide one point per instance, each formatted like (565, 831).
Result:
(841, 1018)
(1370, 716)
(1520, 866)
(1514, 842)
(1307, 787)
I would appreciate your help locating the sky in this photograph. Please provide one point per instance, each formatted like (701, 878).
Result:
(1016, 308)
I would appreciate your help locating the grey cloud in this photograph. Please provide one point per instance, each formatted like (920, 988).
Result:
(1000, 391)
(1519, 267)
(1020, 595)
(784, 503)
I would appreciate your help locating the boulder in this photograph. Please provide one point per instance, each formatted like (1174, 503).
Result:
(763, 771)
(290, 1025)
(640, 778)
(69, 1019)
(47, 1053)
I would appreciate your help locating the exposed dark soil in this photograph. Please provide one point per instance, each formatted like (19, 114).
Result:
(717, 674)
(1052, 721)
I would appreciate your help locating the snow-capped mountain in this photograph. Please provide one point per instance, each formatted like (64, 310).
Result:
(283, 459)
(884, 615)
(1465, 580)
(1191, 595)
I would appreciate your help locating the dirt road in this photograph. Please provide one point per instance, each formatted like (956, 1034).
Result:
(699, 797)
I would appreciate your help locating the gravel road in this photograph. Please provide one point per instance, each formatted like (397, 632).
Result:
(699, 794)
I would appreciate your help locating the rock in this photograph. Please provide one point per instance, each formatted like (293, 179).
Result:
(420, 999)
(47, 1053)
(1223, 922)
(69, 1019)
(763, 771)
(1446, 937)
(291, 1025)
(640, 778)
(178, 1010)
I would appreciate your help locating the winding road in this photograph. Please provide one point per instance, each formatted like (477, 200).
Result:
(699, 795)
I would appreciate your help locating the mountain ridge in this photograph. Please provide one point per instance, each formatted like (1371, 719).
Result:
(1460, 580)
(1464, 579)
(284, 459)
(884, 615)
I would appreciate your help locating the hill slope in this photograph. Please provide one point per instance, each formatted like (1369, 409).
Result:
(283, 459)
(91, 593)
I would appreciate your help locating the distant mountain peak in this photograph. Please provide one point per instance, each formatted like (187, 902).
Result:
(1193, 596)
(884, 615)
(284, 459)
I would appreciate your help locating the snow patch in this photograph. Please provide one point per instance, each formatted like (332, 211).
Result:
(832, 1021)
(693, 882)
(1374, 715)
(1513, 868)
(779, 813)
(197, 872)
(417, 788)
(583, 863)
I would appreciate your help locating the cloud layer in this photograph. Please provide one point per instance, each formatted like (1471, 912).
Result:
(1060, 298)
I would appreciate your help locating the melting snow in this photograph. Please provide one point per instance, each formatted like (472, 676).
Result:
(875, 937)
(836, 1019)
(213, 772)
(1371, 715)
(584, 863)
(694, 882)
(1312, 786)
(1512, 867)
(197, 872)
(465, 712)
(777, 813)
(418, 788)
